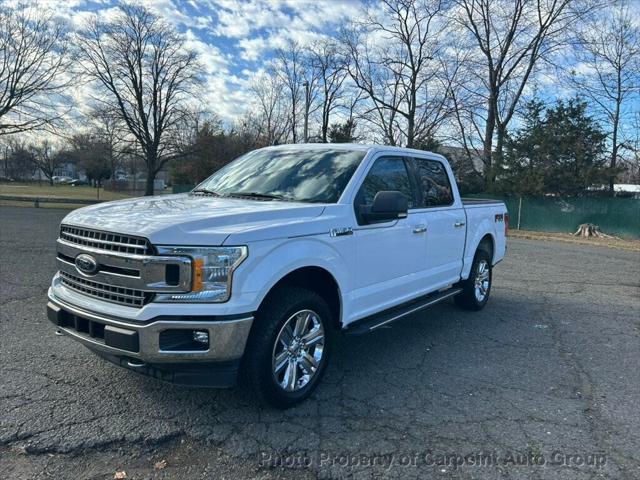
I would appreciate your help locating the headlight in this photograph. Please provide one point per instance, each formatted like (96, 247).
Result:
(212, 273)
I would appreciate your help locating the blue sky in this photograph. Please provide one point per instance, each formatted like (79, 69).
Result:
(236, 38)
(233, 37)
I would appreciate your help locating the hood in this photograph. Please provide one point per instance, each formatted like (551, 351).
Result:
(185, 219)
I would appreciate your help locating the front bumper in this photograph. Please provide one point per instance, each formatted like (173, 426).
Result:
(140, 347)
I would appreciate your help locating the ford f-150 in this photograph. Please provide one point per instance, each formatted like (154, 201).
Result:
(253, 273)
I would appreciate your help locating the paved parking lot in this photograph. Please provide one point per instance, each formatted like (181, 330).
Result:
(543, 383)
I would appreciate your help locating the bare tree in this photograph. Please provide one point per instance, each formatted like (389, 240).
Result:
(146, 76)
(109, 129)
(631, 163)
(91, 152)
(609, 56)
(509, 38)
(33, 58)
(399, 68)
(380, 86)
(465, 130)
(289, 66)
(18, 159)
(46, 158)
(331, 66)
(383, 108)
(273, 122)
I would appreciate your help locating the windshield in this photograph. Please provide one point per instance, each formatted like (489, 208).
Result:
(296, 174)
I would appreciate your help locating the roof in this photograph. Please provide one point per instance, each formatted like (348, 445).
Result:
(626, 187)
(352, 146)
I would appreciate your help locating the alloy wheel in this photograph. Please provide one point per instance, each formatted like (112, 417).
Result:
(482, 281)
(298, 350)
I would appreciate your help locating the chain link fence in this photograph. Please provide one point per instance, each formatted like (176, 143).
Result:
(614, 216)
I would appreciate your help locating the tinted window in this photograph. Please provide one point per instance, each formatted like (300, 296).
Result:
(433, 183)
(387, 173)
(297, 173)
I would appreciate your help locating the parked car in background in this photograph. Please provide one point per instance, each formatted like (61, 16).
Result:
(61, 179)
(257, 270)
(77, 182)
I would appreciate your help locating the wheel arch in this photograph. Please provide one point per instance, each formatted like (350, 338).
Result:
(316, 279)
(481, 239)
(489, 243)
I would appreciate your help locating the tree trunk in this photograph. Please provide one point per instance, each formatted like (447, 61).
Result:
(151, 172)
(614, 149)
(616, 124)
(488, 143)
(612, 178)
(293, 122)
(496, 162)
(151, 176)
(410, 131)
(325, 123)
(590, 230)
(306, 120)
(411, 120)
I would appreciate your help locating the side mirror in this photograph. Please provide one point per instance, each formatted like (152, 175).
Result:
(386, 206)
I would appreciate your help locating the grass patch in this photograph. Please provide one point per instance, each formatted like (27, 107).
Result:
(59, 206)
(622, 243)
(84, 192)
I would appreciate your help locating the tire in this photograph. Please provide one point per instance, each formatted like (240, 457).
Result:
(275, 325)
(476, 288)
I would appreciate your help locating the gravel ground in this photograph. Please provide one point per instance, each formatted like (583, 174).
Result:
(543, 383)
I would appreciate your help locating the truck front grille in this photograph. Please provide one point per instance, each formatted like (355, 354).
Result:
(113, 242)
(109, 293)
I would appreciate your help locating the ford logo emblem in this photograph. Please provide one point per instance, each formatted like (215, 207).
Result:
(86, 264)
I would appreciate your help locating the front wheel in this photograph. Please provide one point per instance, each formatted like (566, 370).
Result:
(476, 288)
(289, 347)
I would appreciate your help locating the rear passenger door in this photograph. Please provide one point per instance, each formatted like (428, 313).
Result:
(444, 218)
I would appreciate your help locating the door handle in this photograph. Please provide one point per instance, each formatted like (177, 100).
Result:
(459, 224)
(419, 229)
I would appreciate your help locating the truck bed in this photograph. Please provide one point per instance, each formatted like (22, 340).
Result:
(473, 202)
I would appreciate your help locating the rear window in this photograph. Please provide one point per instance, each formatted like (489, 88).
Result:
(433, 183)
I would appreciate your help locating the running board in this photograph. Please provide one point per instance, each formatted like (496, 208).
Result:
(369, 324)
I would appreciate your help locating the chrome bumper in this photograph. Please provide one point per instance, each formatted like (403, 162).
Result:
(227, 336)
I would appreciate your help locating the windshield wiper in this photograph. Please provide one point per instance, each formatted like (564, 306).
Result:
(260, 196)
(206, 191)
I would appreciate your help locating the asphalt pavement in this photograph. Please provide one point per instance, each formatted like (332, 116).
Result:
(543, 383)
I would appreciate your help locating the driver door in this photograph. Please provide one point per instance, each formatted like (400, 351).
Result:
(389, 255)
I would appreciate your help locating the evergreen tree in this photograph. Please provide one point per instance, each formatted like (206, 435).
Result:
(559, 150)
(343, 132)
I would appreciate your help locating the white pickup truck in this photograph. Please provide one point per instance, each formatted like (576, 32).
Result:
(253, 274)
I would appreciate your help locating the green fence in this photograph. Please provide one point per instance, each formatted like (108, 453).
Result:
(614, 216)
(182, 188)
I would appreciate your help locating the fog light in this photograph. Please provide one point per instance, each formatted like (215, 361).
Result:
(201, 336)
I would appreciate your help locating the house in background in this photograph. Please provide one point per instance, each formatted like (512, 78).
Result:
(626, 190)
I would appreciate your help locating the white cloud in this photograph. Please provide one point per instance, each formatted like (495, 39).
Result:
(252, 28)
(213, 60)
(239, 19)
(168, 10)
(259, 26)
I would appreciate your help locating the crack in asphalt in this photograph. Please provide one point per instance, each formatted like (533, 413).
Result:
(531, 372)
(598, 424)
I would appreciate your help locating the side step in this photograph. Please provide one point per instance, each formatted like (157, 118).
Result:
(369, 324)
